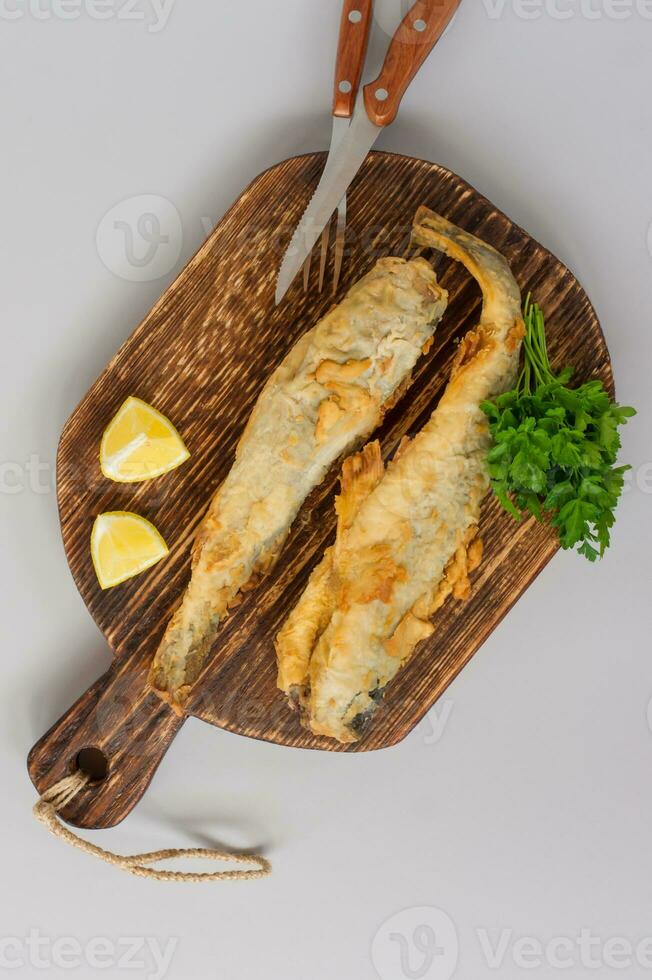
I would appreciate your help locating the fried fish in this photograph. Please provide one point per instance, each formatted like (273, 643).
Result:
(407, 536)
(322, 402)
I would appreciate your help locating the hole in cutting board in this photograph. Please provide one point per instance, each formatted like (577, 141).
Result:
(93, 762)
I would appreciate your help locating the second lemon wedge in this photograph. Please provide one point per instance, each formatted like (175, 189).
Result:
(139, 443)
(124, 545)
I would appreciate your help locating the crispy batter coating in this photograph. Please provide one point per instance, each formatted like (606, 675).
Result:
(413, 538)
(324, 400)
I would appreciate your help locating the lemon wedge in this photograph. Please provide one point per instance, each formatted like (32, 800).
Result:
(124, 545)
(139, 444)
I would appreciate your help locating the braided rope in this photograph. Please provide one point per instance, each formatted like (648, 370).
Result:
(58, 796)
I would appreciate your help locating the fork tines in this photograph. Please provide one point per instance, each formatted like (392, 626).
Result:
(338, 253)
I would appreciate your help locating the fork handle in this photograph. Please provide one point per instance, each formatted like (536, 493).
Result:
(351, 53)
(417, 35)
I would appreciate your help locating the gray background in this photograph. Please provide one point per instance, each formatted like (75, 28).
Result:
(524, 803)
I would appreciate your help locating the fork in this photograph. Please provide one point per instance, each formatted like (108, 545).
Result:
(355, 27)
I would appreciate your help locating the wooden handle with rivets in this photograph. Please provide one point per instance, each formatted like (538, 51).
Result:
(414, 40)
(351, 54)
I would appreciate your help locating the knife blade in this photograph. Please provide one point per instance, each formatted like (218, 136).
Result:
(376, 108)
(355, 27)
(340, 126)
(338, 173)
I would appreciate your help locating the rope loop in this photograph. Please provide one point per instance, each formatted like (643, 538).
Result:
(58, 796)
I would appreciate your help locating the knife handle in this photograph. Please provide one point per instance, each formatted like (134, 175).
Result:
(351, 53)
(414, 40)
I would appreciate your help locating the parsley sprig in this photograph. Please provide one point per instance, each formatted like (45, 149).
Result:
(554, 448)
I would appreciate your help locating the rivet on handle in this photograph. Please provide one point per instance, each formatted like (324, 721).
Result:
(421, 28)
(355, 16)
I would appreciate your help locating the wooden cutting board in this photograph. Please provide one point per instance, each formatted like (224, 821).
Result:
(201, 357)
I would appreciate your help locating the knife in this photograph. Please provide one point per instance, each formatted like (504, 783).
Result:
(355, 26)
(415, 38)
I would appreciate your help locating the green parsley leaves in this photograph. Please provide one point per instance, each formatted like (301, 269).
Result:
(554, 448)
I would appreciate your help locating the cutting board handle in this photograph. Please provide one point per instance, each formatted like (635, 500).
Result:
(122, 730)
